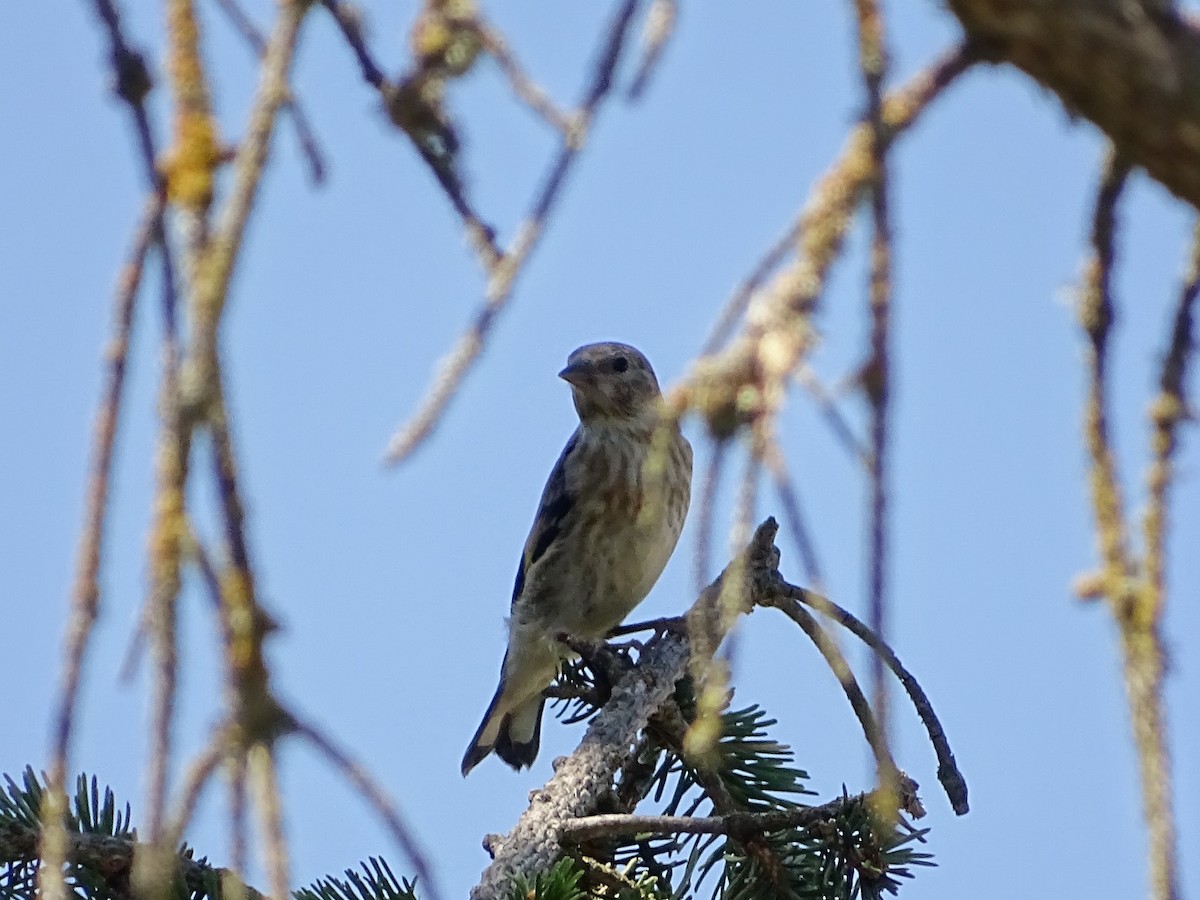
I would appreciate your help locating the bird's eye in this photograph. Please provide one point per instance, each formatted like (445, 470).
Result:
(620, 364)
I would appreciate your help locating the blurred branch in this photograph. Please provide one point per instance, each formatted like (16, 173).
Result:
(349, 21)
(375, 797)
(264, 776)
(872, 59)
(131, 82)
(502, 276)
(414, 105)
(1134, 592)
(748, 378)
(1131, 69)
(310, 149)
(656, 32)
(524, 87)
(827, 404)
(1096, 317)
(85, 590)
(792, 511)
(736, 306)
(210, 289)
(1141, 618)
(706, 512)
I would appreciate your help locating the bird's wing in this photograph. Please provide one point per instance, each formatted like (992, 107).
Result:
(554, 507)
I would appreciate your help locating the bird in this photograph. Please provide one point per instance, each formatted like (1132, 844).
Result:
(609, 519)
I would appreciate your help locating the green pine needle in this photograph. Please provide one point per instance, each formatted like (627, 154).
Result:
(561, 882)
(377, 882)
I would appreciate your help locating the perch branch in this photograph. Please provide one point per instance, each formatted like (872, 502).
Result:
(734, 824)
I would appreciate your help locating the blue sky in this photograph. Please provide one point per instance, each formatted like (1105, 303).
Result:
(392, 584)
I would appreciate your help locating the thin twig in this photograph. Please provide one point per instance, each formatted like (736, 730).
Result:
(948, 774)
(131, 82)
(528, 90)
(229, 494)
(872, 56)
(1096, 316)
(735, 307)
(211, 286)
(824, 398)
(264, 775)
(375, 796)
(793, 512)
(238, 825)
(199, 773)
(656, 32)
(739, 534)
(310, 149)
(1167, 410)
(1141, 628)
(169, 530)
(778, 332)
(845, 676)
(706, 512)
(235, 736)
(85, 591)
(163, 638)
(735, 824)
(502, 277)
(1134, 597)
(347, 18)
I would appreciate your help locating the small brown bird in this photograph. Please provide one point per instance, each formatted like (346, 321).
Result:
(608, 521)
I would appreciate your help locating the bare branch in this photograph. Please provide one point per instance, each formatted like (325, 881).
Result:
(1141, 622)
(948, 774)
(265, 778)
(1096, 316)
(884, 763)
(706, 512)
(656, 32)
(502, 276)
(350, 23)
(737, 825)
(1131, 70)
(310, 149)
(1134, 596)
(792, 511)
(737, 304)
(586, 776)
(375, 796)
(522, 85)
(195, 780)
(748, 377)
(872, 57)
(209, 292)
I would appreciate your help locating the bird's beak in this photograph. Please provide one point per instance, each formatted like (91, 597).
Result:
(574, 374)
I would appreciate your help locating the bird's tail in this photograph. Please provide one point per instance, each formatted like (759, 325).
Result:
(514, 734)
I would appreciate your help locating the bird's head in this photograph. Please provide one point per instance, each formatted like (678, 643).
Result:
(611, 382)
